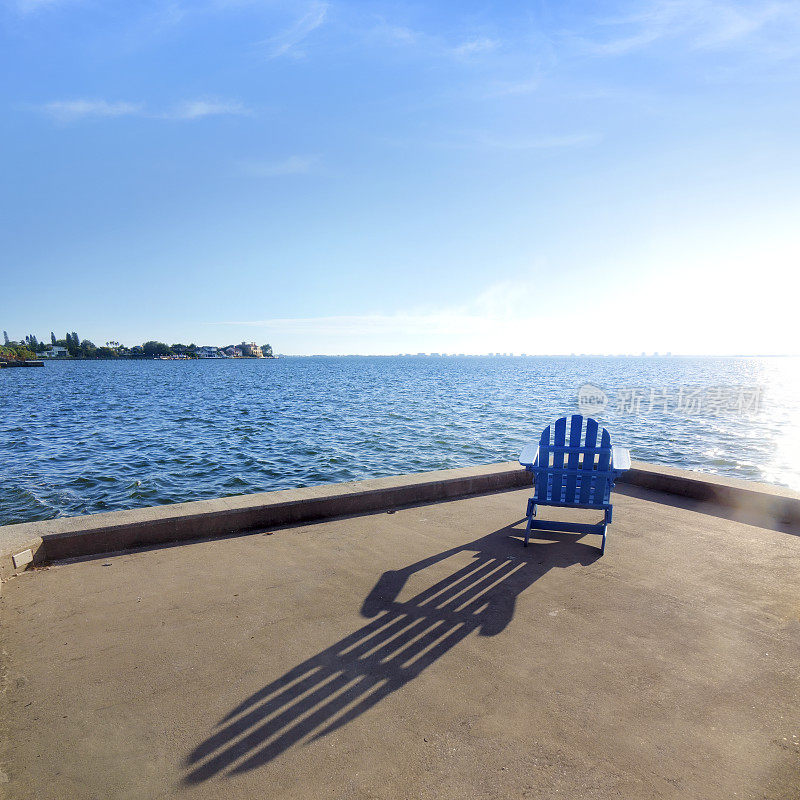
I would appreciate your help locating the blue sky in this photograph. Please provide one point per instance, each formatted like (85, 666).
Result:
(337, 177)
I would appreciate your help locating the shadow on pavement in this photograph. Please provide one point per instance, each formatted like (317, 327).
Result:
(402, 639)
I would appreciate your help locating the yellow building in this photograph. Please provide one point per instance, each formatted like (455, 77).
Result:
(251, 349)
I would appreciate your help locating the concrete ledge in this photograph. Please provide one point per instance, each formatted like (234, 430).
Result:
(770, 504)
(68, 537)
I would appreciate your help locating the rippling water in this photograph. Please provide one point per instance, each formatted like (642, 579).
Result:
(82, 437)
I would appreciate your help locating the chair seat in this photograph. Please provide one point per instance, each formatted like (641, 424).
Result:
(562, 504)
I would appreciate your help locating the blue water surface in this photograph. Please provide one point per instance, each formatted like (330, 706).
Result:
(86, 436)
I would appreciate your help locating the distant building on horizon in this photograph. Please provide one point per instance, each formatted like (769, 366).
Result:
(251, 350)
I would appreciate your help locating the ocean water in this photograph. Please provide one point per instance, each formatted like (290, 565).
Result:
(83, 437)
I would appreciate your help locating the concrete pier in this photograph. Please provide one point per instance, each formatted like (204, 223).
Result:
(416, 651)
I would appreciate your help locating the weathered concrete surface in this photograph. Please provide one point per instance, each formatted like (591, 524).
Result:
(417, 654)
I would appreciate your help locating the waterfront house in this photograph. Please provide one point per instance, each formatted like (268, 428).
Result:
(251, 350)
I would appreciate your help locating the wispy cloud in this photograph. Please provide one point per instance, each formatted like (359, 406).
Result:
(483, 140)
(513, 88)
(75, 110)
(30, 6)
(293, 165)
(392, 34)
(286, 42)
(196, 109)
(477, 46)
(510, 315)
(497, 316)
(432, 45)
(505, 302)
(703, 24)
(538, 143)
(72, 110)
(381, 332)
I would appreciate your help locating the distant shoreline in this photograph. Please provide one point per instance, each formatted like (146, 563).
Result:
(433, 356)
(149, 358)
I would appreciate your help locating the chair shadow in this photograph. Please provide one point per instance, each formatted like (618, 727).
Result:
(403, 638)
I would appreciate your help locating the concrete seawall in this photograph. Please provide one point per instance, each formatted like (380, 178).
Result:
(11, 364)
(67, 537)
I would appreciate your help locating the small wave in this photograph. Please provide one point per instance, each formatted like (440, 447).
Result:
(23, 504)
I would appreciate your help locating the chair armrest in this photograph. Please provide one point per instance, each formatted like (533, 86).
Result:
(620, 459)
(529, 456)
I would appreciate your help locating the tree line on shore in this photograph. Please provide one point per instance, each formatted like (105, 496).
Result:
(72, 346)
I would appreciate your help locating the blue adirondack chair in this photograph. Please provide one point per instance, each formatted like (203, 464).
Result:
(577, 472)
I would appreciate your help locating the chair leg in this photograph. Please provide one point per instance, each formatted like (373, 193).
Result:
(607, 521)
(531, 515)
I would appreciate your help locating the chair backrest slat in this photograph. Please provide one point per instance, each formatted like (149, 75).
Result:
(590, 440)
(574, 459)
(544, 445)
(603, 463)
(559, 440)
(544, 464)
